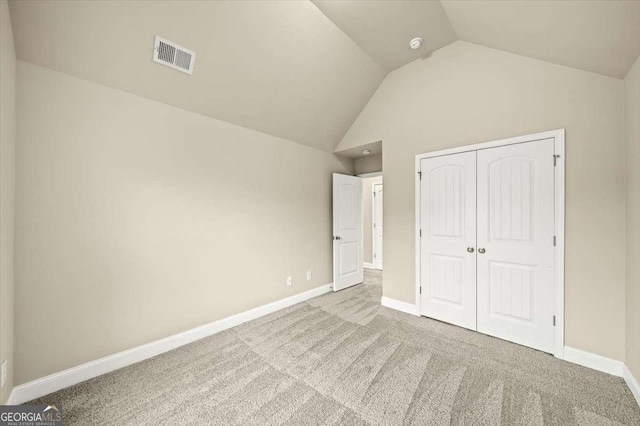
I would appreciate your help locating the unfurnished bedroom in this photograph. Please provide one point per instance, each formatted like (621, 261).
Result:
(326, 212)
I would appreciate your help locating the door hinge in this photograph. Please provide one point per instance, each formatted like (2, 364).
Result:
(421, 233)
(374, 255)
(554, 240)
(555, 160)
(554, 320)
(420, 174)
(421, 290)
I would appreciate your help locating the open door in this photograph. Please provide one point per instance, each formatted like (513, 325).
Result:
(347, 231)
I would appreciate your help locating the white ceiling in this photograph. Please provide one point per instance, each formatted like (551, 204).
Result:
(383, 28)
(281, 68)
(597, 36)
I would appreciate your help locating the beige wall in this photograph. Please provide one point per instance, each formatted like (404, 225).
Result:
(136, 220)
(369, 164)
(7, 186)
(632, 137)
(367, 213)
(465, 94)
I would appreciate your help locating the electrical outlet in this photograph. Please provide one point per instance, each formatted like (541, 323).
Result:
(308, 275)
(4, 372)
(289, 281)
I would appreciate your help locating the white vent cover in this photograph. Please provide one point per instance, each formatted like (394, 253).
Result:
(172, 55)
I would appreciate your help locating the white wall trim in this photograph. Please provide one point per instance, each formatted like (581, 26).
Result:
(398, 305)
(559, 142)
(494, 144)
(376, 178)
(51, 383)
(375, 250)
(594, 361)
(632, 383)
(559, 201)
(418, 232)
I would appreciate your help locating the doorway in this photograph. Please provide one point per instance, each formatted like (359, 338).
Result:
(490, 238)
(378, 224)
(372, 220)
(357, 228)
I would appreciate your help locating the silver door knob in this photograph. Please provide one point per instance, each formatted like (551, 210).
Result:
(470, 249)
(481, 250)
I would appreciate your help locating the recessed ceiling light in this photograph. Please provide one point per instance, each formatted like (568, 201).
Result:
(415, 43)
(366, 152)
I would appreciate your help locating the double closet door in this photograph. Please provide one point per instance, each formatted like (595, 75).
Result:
(487, 245)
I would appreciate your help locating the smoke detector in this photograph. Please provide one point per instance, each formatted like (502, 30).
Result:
(415, 43)
(366, 152)
(168, 53)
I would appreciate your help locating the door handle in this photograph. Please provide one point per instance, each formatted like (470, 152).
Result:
(481, 250)
(336, 237)
(470, 249)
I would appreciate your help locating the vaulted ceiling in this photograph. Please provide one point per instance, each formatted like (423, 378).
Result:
(601, 36)
(304, 70)
(383, 28)
(281, 68)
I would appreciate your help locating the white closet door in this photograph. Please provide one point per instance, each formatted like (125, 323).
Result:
(515, 243)
(448, 224)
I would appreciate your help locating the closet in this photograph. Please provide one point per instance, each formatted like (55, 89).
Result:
(487, 244)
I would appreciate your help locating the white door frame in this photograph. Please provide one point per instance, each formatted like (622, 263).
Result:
(372, 265)
(374, 239)
(559, 142)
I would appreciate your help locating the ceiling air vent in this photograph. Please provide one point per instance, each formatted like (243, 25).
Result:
(174, 56)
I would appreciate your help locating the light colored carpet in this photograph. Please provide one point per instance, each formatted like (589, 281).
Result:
(342, 359)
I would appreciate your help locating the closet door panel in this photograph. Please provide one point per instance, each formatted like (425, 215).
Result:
(515, 217)
(447, 221)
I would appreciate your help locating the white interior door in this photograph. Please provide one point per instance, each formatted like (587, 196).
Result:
(377, 225)
(448, 227)
(516, 243)
(347, 231)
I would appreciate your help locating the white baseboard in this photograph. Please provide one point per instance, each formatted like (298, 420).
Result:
(12, 399)
(632, 383)
(48, 384)
(597, 362)
(369, 265)
(398, 305)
